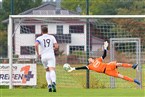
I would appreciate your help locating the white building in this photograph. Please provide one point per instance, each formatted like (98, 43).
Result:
(70, 36)
(70, 33)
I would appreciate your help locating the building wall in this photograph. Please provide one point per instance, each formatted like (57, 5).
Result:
(29, 39)
(78, 39)
(23, 40)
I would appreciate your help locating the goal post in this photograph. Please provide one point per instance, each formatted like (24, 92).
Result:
(10, 51)
(79, 37)
(132, 45)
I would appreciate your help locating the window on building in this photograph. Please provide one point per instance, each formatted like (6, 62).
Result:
(59, 29)
(76, 29)
(27, 50)
(76, 48)
(27, 29)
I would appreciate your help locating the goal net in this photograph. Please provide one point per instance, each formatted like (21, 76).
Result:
(79, 37)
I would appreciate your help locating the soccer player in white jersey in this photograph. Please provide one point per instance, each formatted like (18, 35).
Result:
(48, 44)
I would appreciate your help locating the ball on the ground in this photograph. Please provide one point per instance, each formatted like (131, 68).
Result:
(66, 66)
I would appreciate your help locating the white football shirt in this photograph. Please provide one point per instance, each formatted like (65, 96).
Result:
(46, 42)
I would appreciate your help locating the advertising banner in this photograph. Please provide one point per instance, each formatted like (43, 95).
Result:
(22, 74)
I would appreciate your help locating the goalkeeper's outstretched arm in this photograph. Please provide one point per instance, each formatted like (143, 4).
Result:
(86, 67)
(104, 54)
(83, 67)
(77, 68)
(105, 50)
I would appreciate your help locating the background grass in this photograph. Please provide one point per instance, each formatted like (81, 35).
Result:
(73, 92)
(73, 85)
(77, 79)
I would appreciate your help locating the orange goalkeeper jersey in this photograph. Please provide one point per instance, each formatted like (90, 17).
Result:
(97, 65)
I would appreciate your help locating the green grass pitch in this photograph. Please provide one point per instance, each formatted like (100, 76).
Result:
(73, 92)
(70, 91)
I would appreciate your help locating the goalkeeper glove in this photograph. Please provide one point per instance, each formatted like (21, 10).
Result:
(105, 45)
(71, 69)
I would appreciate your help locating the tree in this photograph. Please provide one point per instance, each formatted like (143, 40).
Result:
(3, 44)
(107, 7)
(82, 3)
(19, 6)
(133, 7)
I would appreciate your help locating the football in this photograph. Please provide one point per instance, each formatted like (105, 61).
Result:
(66, 66)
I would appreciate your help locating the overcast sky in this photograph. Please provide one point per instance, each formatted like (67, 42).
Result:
(0, 0)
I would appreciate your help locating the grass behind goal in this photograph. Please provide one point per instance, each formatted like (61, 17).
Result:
(72, 86)
(77, 79)
(73, 92)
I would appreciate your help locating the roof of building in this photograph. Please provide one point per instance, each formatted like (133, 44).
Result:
(48, 8)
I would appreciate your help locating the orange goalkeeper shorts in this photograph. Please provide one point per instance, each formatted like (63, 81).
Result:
(111, 69)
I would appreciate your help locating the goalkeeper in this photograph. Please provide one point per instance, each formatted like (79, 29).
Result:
(110, 69)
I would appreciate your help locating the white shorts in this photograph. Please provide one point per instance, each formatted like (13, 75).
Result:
(48, 62)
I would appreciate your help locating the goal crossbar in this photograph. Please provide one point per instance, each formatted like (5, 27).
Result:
(77, 16)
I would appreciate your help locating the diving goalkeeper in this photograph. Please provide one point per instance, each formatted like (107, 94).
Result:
(110, 69)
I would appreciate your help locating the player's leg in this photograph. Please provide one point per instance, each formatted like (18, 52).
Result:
(112, 71)
(126, 65)
(125, 77)
(51, 64)
(53, 78)
(128, 79)
(48, 79)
